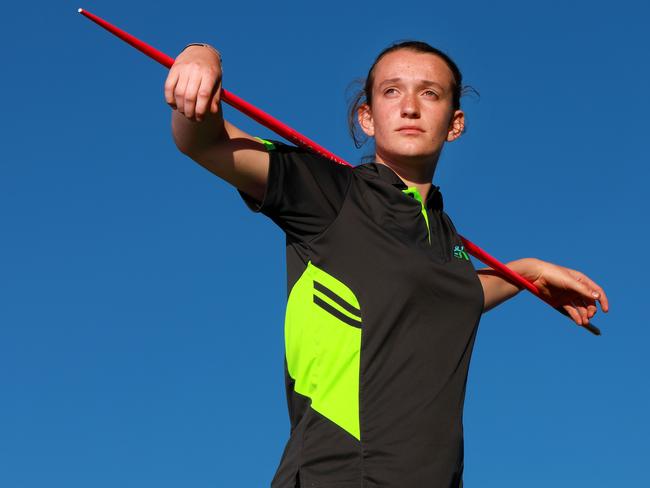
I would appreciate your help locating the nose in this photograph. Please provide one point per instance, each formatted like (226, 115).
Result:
(410, 107)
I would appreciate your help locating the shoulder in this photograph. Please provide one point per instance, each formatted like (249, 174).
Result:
(299, 170)
(280, 150)
(304, 191)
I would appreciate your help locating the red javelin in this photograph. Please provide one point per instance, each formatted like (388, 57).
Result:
(297, 138)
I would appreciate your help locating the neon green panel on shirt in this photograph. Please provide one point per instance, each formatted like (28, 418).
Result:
(323, 350)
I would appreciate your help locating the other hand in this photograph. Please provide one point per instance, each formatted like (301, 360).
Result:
(565, 288)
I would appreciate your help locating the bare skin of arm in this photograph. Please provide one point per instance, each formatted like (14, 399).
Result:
(567, 288)
(192, 89)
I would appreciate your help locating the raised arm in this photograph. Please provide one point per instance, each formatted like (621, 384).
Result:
(192, 89)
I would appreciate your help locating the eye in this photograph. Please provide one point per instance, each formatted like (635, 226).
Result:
(430, 93)
(390, 91)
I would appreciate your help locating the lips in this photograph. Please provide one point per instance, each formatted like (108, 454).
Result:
(410, 129)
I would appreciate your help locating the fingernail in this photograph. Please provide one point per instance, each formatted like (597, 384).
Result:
(595, 294)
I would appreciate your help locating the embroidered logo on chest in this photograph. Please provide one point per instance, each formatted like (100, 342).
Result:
(460, 253)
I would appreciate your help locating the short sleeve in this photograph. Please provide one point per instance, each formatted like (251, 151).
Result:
(304, 191)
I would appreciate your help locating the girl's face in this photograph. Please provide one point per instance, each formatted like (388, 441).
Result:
(411, 115)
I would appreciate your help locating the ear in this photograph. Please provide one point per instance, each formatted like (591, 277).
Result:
(456, 126)
(364, 116)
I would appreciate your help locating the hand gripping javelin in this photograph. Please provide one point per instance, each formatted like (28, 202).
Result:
(297, 138)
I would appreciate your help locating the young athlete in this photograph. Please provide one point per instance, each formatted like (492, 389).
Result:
(384, 302)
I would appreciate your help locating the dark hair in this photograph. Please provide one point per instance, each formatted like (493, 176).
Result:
(364, 95)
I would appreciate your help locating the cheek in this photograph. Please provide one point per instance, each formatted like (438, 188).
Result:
(439, 124)
(382, 121)
(383, 135)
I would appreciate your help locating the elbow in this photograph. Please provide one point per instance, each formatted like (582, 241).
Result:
(184, 147)
(194, 138)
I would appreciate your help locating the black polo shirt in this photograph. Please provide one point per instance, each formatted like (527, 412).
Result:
(381, 318)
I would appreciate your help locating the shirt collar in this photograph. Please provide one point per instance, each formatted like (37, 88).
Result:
(384, 173)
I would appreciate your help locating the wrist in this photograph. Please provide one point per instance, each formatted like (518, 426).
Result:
(529, 268)
(201, 44)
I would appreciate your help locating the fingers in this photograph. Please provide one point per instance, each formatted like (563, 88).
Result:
(194, 91)
(583, 310)
(204, 93)
(179, 92)
(590, 289)
(582, 307)
(600, 296)
(589, 307)
(170, 86)
(583, 319)
(193, 83)
(591, 310)
(573, 313)
(579, 312)
(570, 291)
(191, 93)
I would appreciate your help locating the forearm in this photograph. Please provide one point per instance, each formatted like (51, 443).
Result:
(497, 289)
(192, 137)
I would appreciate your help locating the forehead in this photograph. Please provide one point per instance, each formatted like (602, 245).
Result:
(405, 63)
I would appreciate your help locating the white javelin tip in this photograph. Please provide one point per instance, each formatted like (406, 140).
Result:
(80, 10)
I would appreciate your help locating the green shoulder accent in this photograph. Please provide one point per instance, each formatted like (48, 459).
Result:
(268, 145)
(323, 346)
(413, 191)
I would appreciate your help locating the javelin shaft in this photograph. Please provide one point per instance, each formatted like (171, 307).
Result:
(231, 99)
(297, 138)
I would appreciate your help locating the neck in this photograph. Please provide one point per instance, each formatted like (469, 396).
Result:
(413, 171)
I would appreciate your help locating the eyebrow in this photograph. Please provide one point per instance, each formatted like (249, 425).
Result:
(422, 82)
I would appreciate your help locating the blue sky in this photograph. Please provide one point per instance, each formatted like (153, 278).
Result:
(141, 303)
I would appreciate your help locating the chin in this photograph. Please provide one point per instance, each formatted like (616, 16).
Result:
(412, 151)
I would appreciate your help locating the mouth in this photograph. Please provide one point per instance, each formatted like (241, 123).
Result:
(410, 129)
